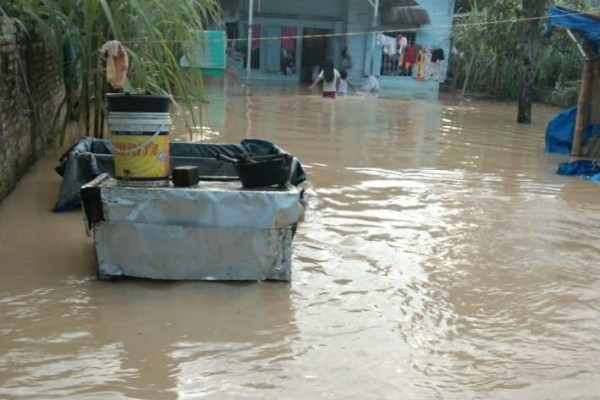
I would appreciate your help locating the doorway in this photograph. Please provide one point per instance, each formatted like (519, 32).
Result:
(315, 48)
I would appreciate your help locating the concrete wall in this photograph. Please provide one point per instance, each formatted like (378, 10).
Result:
(437, 34)
(270, 28)
(351, 21)
(30, 91)
(360, 19)
(272, 15)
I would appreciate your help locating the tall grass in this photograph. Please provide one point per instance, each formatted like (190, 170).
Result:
(490, 68)
(156, 33)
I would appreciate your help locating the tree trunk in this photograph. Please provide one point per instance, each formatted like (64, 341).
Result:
(526, 98)
(532, 11)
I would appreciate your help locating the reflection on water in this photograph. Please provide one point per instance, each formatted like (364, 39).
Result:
(441, 258)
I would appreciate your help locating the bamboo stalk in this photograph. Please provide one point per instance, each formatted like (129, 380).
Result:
(582, 107)
(595, 100)
(583, 53)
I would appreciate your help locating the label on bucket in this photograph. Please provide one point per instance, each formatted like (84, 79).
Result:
(140, 156)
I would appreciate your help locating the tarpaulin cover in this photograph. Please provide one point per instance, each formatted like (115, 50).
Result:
(587, 24)
(586, 168)
(90, 157)
(559, 132)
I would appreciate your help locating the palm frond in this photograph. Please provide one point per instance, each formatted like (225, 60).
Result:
(156, 34)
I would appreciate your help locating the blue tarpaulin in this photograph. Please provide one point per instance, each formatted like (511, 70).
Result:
(586, 168)
(559, 132)
(576, 21)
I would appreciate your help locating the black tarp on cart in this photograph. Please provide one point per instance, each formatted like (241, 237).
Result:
(90, 157)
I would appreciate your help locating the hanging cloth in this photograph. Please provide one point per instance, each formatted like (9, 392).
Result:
(117, 63)
(420, 63)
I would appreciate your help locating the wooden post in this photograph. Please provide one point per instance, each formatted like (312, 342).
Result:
(594, 98)
(582, 107)
(249, 49)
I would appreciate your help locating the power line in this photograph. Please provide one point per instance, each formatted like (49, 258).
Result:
(362, 33)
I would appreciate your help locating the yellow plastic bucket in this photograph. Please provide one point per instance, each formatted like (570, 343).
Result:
(140, 147)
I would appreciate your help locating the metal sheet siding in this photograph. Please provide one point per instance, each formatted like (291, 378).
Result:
(321, 8)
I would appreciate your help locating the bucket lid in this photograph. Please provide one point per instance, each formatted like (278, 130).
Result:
(127, 102)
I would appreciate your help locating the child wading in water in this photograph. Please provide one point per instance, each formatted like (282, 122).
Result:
(371, 86)
(344, 84)
(330, 77)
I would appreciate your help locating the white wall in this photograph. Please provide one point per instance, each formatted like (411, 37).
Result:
(437, 34)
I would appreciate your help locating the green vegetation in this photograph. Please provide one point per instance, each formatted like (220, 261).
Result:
(156, 33)
(506, 57)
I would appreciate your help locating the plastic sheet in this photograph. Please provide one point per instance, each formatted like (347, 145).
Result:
(90, 157)
(586, 168)
(559, 132)
(587, 24)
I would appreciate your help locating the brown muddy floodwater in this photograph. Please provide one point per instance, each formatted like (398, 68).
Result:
(442, 258)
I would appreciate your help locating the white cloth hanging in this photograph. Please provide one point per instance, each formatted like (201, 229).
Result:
(388, 43)
(117, 63)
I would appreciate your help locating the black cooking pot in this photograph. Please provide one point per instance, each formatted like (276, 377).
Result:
(257, 171)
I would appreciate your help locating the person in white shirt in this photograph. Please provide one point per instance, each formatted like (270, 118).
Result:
(344, 83)
(371, 85)
(330, 77)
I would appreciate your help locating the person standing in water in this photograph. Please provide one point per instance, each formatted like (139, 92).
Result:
(345, 84)
(330, 77)
(371, 86)
(346, 59)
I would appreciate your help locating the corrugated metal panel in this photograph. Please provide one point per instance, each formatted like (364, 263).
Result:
(405, 16)
(319, 8)
(397, 3)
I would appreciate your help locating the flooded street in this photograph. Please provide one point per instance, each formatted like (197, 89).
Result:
(441, 258)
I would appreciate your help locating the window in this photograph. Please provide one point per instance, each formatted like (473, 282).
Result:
(242, 47)
(393, 52)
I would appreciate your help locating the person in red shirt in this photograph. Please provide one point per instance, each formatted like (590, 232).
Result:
(410, 56)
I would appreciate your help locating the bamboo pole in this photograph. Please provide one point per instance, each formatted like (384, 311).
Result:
(581, 51)
(594, 98)
(249, 50)
(582, 107)
(373, 39)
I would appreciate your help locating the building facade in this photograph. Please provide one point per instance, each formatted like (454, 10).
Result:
(291, 39)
